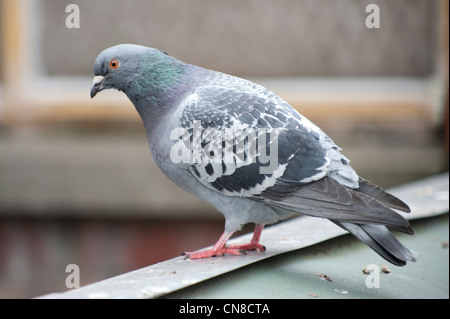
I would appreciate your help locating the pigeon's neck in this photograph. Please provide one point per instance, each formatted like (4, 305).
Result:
(158, 87)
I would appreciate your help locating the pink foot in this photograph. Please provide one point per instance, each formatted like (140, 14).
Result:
(254, 243)
(220, 248)
(249, 246)
(211, 253)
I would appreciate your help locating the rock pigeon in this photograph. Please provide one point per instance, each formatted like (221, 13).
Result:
(247, 152)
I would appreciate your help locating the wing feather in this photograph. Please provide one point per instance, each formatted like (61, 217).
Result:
(256, 136)
(327, 198)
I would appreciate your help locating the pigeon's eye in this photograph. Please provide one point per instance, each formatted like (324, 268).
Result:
(114, 64)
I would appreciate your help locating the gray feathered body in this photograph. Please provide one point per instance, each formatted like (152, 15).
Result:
(247, 152)
(311, 177)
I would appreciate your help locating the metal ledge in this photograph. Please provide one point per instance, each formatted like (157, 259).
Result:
(428, 197)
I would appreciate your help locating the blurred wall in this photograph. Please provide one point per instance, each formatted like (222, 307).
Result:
(249, 38)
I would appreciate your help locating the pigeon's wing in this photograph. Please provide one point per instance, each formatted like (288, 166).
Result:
(245, 141)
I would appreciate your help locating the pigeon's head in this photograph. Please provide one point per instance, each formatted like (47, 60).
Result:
(119, 66)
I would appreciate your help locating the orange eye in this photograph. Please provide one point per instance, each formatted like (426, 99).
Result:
(114, 64)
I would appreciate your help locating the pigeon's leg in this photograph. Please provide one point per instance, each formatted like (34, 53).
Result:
(254, 243)
(218, 249)
(221, 247)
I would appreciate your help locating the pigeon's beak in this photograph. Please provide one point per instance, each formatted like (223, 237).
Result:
(97, 85)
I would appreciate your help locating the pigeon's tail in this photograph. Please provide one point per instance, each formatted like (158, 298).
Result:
(366, 212)
(381, 195)
(380, 239)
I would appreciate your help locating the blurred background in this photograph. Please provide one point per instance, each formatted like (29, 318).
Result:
(77, 181)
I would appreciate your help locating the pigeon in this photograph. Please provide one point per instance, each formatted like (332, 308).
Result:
(247, 152)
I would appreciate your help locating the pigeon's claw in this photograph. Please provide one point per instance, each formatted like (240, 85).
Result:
(221, 248)
(249, 246)
(254, 243)
(213, 252)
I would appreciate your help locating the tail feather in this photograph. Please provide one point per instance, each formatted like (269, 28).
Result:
(327, 198)
(381, 195)
(367, 212)
(381, 240)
